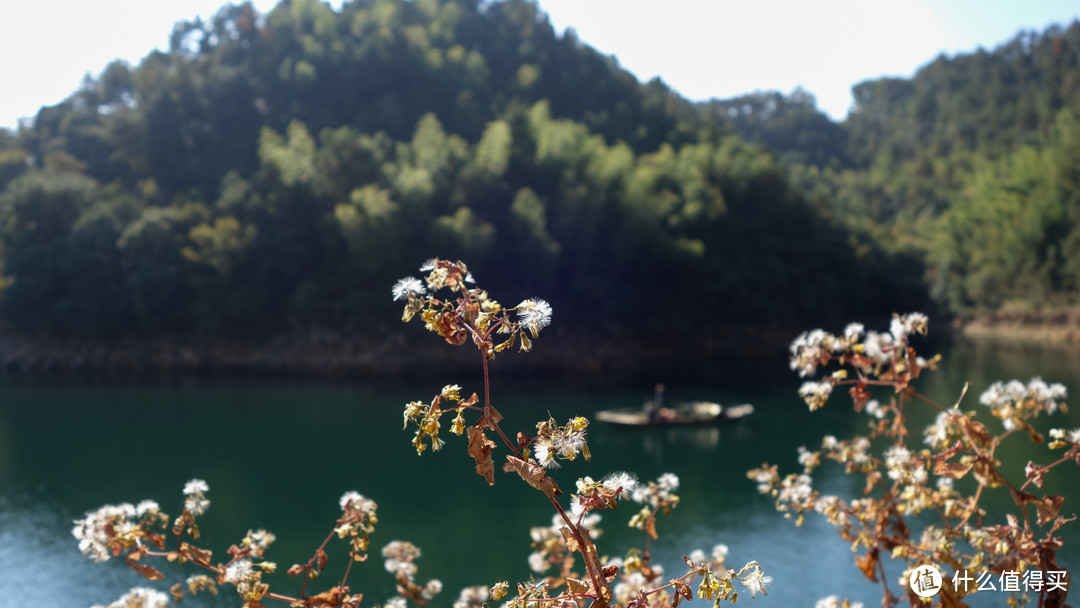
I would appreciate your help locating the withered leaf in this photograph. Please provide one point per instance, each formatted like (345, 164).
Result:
(868, 565)
(985, 474)
(451, 329)
(592, 559)
(533, 474)
(576, 586)
(682, 589)
(158, 540)
(480, 448)
(976, 431)
(954, 470)
(571, 542)
(859, 396)
(1048, 508)
(195, 554)
(1036, 436)
(491, 416)
(146, 570)
(330, 597)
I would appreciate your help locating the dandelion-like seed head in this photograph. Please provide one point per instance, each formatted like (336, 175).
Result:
(534, 314)
(146, 506)
(355, 502)
(408, 287)
(238, 570)
(815, 394)
(195, 486)
(668, 482)
(719, 553)
(196, 504)
(620, 481)
(756, 580)
(544, 453)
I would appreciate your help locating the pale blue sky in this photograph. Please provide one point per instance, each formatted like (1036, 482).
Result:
(701, 48)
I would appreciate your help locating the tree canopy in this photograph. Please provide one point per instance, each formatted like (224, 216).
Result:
(283, 169)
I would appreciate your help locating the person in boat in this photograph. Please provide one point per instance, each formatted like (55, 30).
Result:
(654, 408)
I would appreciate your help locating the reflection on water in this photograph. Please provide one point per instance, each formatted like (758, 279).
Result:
(700, 437)
(278, 456)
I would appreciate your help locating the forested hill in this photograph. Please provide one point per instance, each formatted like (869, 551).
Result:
(972, 166)
(281, 171)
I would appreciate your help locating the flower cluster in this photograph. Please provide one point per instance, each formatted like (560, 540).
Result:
(114, 528)
(426, 417)
(398, 558)
(195, 504)
(602, 494)
(472, 314)
(357, 522)
(897, 476)
(560, 442)
(1014, 403)
(472, 597)
(657, 497)
(133, 531)
(868, 352)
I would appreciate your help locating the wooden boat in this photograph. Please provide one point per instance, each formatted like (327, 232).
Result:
(692, 413)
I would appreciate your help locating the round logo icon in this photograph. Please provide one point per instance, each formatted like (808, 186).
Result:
(925, 581)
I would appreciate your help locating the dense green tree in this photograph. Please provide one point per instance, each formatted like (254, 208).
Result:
(282, 170)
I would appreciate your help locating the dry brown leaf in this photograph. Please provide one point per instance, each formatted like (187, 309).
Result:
(480, 448)
(955, 470)
(571, 542)
(533, 474)
(576, 586)
(146, 570)
(1048, 508)
(868, 565)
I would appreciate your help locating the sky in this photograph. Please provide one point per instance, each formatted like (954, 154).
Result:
(701, 48)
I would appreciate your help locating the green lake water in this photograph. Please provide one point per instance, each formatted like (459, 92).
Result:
(279, 455)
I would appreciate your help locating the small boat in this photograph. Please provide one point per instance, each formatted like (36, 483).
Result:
(691, 413)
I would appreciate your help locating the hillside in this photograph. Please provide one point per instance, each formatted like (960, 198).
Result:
(280, 171)
(970, 167)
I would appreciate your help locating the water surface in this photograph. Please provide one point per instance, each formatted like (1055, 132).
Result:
(279, 455)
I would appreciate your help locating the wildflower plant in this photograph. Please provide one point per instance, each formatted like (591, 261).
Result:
(923, 495)
(468, 314)
(141, 533)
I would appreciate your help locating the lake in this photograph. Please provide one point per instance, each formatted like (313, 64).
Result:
(278, 455)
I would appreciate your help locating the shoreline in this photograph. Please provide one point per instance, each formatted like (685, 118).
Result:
(733, 355)
(1055, 328)
(321, 354)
